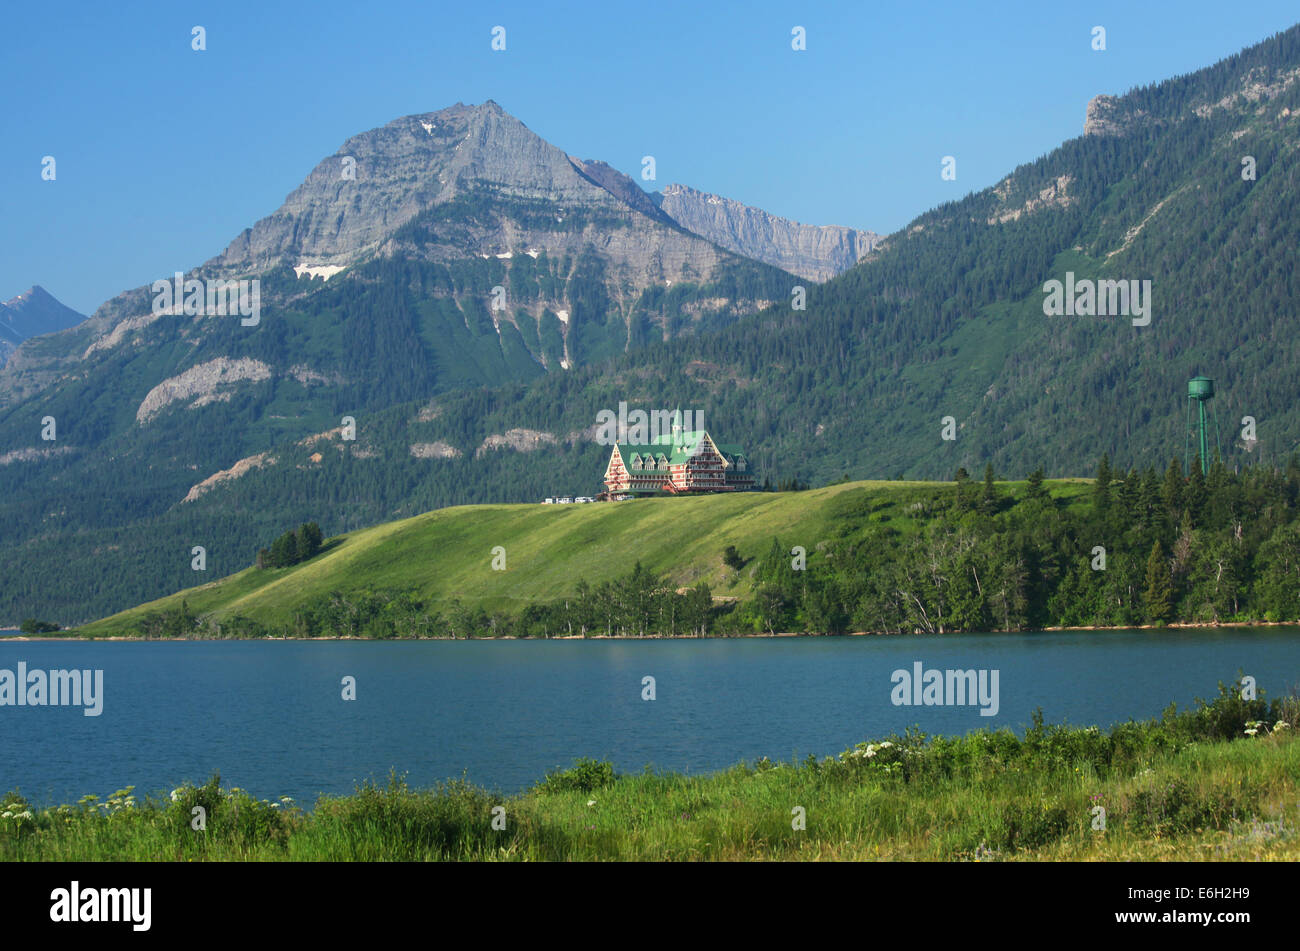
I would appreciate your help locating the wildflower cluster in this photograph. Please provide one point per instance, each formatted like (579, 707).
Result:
(885, 756)
(118, 801)
(1253, 727)
(15, 815)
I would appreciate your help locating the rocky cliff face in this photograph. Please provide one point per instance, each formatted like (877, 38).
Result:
(816, 252)
(1110, 115)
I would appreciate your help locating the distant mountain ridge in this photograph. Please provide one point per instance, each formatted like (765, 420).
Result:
(817, 252)
(31, 314)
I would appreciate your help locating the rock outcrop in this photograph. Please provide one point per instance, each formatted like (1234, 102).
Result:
(520, 440)
(205, 383)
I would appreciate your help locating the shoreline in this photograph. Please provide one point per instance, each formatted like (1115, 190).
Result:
(1177, 625)
(581, 812)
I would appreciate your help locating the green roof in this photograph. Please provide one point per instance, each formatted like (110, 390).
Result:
(686, 445)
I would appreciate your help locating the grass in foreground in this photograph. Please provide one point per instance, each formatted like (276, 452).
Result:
(1194, 785)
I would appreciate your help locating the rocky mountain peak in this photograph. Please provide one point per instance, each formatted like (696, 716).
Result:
(30, 314)
(379, 180)
(36, 311)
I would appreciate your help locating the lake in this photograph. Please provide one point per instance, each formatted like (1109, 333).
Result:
(271, 717)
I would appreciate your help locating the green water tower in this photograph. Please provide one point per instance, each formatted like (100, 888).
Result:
(1200, 390)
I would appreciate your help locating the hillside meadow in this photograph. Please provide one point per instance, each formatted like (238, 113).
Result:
(548, 549)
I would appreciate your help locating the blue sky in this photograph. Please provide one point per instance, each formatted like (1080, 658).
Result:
(164, 154)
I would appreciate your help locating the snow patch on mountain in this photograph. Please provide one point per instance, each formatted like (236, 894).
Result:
(323, 271)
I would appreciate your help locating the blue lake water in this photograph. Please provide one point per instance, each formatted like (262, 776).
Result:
(270, 714)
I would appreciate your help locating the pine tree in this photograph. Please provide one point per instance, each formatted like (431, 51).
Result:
(1152, 512)
(990, 496)
(309, 541)
(1101, 489)
(1195, 495)
(283, 551)
(1130, 497)
(1159, 588)
(699, 605)
(1035, 488)
(1171, 493)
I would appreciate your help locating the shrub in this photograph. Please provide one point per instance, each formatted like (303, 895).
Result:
(1224, 717)
(229, 816)
(584, 776)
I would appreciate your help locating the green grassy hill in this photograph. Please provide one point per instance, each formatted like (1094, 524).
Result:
(448, 553)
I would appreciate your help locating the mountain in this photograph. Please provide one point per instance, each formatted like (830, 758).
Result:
(499, 257)
(31, 314)
(171, 438)
(469, 181)
(817, 252)
(453, 249)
